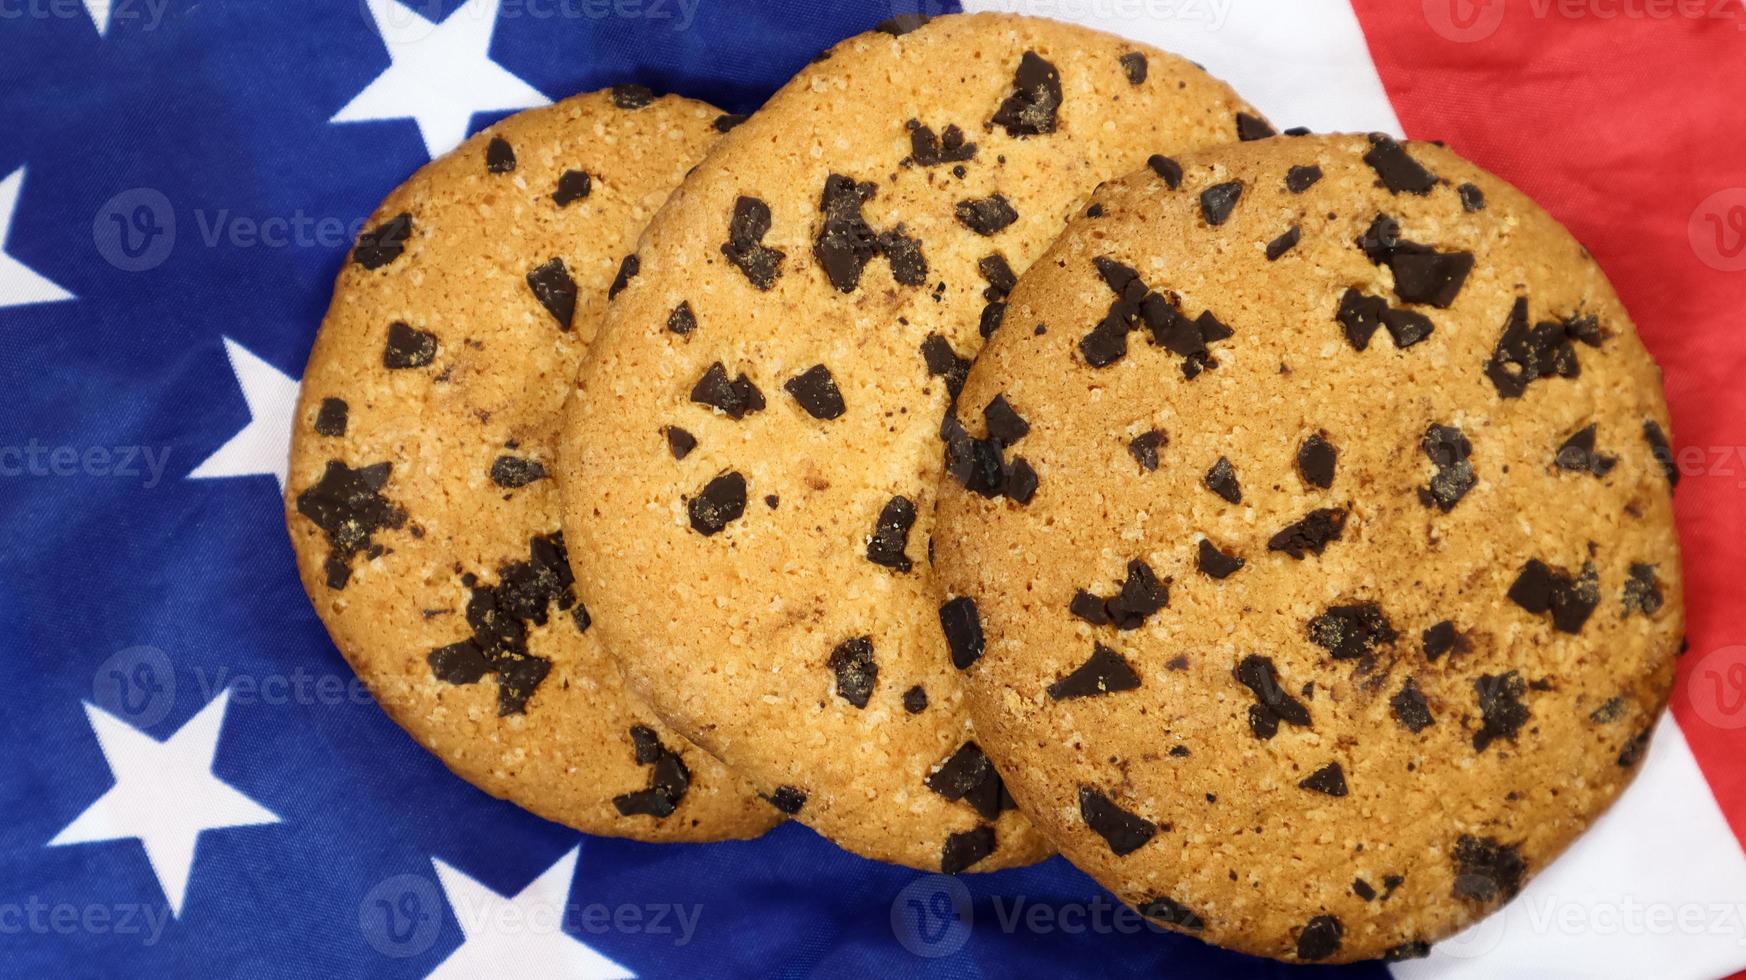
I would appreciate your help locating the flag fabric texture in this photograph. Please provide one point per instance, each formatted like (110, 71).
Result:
(195, 785)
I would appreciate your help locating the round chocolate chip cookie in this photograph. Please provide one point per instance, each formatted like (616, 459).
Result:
(1348, 592)
(420, 499)
(752, 453)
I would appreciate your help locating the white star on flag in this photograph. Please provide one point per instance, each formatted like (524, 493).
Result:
(519, 936)
(19, 285)
(100, 11)
(165, 795)
(263, 446)
(440, 74)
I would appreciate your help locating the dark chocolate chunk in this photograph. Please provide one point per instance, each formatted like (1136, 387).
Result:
(1004, 423)
(556, 291)
(667, 782)
(969, 776)
(1300, 179)
(891, 535)
(627, 270)
(788, 799)
(1500, 707)
(1284, 243)
(631, 96)
(852, 662)
(1399, 172)
(1611, 710)
(1486, 870)
(1104, 672)
(815, 391)
(745, 246)
(1106, 344)
(1352, 631)
(1448, 450)
(513, 472)
(1524, 354)
(499, 156)
(915, 700)
(680, 442)
(1089, 608)
(1036, 97)
(943, 362)
(728, 120)
(1134, 66)
(1315, 461)
(1141, 595)
(1020, 481)
(1167, 169)
(407, 347)
(965, 848)
(1172, 912)
(1250, 128)
(737, 398)
(986, 215)
(1577, 454)
(1416, 949)
(963, 629)
(1642, 590)
(573, 186)
(1144, 448)
(1124, 832)
(1539, 588)
(999, 276)
(349, 507)
(1659, 448)
(499, 616)
(904, 255)
(720, 503)
(992, 315)
(927, 149)
(1424, 275)
(1217, 201)
(384, 243)
(845, 243)
(1361, 316)
(1311, 534)
(1632, 752)
(682, 321)
(1215, 563)
(902, 24)
(1222, 480)
(1329, 779)
(1363, 889)
(1472, 198)
(330, 419)
(1319, 938)
(1410, 708)
(1273, 703)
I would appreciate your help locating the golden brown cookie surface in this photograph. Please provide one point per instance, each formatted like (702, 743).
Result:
(753, 447)
(1348, 593)
(420, 502)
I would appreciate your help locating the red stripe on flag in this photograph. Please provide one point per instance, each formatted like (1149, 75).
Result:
(1627, 120)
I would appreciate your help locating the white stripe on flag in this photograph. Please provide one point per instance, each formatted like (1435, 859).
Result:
(1302, 62)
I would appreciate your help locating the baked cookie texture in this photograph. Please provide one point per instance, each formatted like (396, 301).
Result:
(754, 443)
(1348, 593)
(420, 500)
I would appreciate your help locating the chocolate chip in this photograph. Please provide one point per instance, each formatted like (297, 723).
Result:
(1273, 704)
(682, 321)
(1144, 448)
(1539, 588)
(1611, 710)
(667, 783)
(987, 215)
(1315, 461)
(815, 390)
(915, 700)
(902, 24)
(627, 270)
(1141, 595)
(384, 243)
(992, 315)
(1486, 870)
(1659, 448)
(728, 120)
(1362, 889)
(1167, 169)
(1642, 591)
(943, 362)
(1036, 97)
(1251, 128)
(1217, 201)
(1134, 66)
(1311, 534)
(499, 616)
(1632, 752)
(1439, 639)
(408, 348)
(1472, 198)
(1168, 910)
(1424, 275)
(1525, 354)
(679, 442)
(1215, 563)
(1577, 454)
(721, 502)
(969, 776)
(788, 799)
(1319, 938)
(1004, 423)
(904, 254)
(573, 186)
(1300, 179)
(1104, 672)
(513, 472)
(1448, 450)
(1416, 949)
(1222, 480)
(349, 508)
(965, 848)
(891, 535)
(745, 246)
(631, 96)
(998, 275)
(1410, 709)
(556, 291)
(1284, 243)
(1021, 481)
(1124, 832)
(1089, 608)
(1105, 344)
(845, 242)
(1399, 172)
(1349, 632)
(1329, 779)
(852, 662)
(499, 156)
(963, 628)
(1500, 707)
(330, 419)
(926, 149)
(1361, 316)
(737, 398)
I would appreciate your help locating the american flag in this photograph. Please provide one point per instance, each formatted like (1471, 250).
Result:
(193, 782)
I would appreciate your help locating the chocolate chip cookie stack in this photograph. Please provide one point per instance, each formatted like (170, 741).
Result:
(1311, 642)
